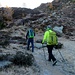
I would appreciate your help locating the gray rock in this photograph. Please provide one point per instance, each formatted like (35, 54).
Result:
(39, 45)
(4, 64)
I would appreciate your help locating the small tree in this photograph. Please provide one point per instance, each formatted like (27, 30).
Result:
(8, 12)
(51, 6)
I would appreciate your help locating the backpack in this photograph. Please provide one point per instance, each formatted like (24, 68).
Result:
(52, 38)
(31, 33)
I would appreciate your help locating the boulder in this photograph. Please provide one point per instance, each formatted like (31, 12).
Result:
(59, 46)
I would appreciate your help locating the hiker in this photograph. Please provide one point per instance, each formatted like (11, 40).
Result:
(46, 39)
(30, 38)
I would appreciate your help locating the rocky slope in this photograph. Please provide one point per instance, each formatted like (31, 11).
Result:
(60, 15)
(41, 66)
(62, 12)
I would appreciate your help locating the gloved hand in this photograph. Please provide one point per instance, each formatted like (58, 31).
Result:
(42, 42)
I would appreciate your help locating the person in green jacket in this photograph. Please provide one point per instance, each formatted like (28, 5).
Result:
(46, 39)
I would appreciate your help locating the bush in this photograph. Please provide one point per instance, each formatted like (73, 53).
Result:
(23, 59)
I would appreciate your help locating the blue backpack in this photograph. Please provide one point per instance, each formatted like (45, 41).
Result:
(31, 33)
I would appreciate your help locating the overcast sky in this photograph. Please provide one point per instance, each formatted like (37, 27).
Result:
(22, 3)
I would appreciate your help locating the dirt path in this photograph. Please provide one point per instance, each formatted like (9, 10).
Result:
(46, 67)
(62, 68)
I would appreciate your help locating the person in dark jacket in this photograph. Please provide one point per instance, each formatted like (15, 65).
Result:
(30, 38)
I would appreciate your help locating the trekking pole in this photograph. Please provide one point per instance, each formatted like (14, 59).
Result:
(61, 55)
(44, 54)
(64, 60)
(35, 40)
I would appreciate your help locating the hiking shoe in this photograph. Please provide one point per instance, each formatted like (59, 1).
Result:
(28, 49)
(32, 51)
(54, 63)
(49, 60)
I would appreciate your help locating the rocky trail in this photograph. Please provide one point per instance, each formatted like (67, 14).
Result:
(64, 66)
(41, 66)
(60, 14)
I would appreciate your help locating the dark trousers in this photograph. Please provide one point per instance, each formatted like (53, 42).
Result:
(50, 56)
(30, 40)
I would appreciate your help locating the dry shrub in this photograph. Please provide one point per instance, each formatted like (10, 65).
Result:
(8, 12)
(40, 31)
(36, 29)
(25, 59)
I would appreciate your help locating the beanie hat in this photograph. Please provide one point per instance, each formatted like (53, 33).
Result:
(49, 27)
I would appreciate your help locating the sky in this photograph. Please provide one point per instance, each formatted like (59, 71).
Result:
(23, 3)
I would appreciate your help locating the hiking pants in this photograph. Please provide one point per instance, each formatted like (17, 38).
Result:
(30, 40)
(50, 56)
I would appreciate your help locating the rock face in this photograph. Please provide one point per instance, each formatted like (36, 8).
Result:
(62, 14)
(58, 13)
(46, 14)
(22, 12)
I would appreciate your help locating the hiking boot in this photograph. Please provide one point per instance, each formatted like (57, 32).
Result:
(32, 51)
(54, 63)
(28, 49)
(49, 60)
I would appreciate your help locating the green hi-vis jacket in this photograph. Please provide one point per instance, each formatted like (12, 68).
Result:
(46, 38)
